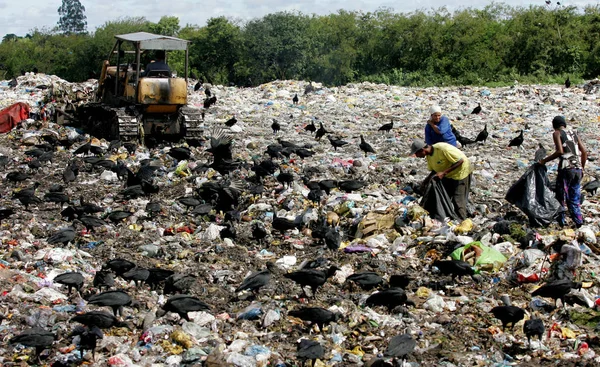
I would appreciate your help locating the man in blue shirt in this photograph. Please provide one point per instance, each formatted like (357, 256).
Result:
(158, 65)
(438, 128)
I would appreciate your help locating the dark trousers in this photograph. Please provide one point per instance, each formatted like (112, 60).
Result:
(458, 190)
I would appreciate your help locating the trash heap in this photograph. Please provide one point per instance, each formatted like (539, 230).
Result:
(387, 293)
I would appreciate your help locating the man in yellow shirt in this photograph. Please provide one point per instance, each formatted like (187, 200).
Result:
(448, 164)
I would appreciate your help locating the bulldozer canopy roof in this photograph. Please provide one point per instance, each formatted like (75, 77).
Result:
(149, 41)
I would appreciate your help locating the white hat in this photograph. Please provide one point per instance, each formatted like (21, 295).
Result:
(435, 109)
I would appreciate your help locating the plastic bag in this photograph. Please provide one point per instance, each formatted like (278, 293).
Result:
(437, 202)
(532, 194)
(487, 255)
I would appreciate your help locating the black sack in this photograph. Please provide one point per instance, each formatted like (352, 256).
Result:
(532, 194)
(437, 202)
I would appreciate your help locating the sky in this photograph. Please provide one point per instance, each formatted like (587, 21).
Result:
(19, 17)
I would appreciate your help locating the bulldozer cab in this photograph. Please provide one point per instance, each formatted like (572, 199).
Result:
(123, 83)
(155, 101)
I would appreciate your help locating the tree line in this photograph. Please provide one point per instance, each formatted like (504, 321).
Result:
(495, 45)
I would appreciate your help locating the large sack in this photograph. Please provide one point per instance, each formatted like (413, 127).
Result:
(532, 194)
(437, 202)
(12, 115)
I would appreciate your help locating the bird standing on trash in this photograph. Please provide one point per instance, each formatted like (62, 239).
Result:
(88, 338)
(311, 278)
(367, 280)
(390, 298)
(310, 127)
(309, 88)
(232, 121)
(275, 126)
(316, 315)
(533, 327)
(71, 280)
(255, 281)
(336, 143)
(365, 147)
(455, 268)
(568, 83)
(13, 83)
(400, 346)
(34, 337)
(508, 315)
(113, 299)
(556, 290)
(259, 232)
(592, 186)
(283, 224)
(517, 141)
(483, 135)
(5, 213)
(320, 132)
(101, 319)
(476, 110)
(295, 99)
(103, 279)
(181, 304)
(463, 140)
(387, 127)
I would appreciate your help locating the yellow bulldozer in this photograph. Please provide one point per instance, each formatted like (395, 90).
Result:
(133, 104)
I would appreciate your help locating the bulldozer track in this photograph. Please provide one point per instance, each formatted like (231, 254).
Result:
(192, 123)
(110, 123)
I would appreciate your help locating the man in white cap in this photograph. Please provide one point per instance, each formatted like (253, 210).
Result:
(438, 128)
(451, 166)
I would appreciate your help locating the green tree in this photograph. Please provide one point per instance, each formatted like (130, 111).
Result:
(334, 39)
(96, 50)
(216, 51)
(278, 46)
(72, 18)
(10, 37)
(166, 26)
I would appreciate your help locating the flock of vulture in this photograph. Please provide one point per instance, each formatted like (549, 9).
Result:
(225, 201)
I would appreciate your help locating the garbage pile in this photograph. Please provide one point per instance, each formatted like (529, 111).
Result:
(296, 248)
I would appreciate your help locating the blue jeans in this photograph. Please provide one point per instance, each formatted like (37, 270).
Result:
(568, 193)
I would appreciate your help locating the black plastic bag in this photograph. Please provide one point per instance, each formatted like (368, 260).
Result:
(532, 194)
(437, 202)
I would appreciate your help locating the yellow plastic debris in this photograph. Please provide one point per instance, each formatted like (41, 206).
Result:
(567, 333)
(333, 219)
(182, 169)
(587, 284)
(567, 234)
(416, 212)
(181, 338)
(357, 351)
(116, 157)
(170, 347)
(423, 292)
(135, 227)
(344, 244)
(465, 227)
(184, 254)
